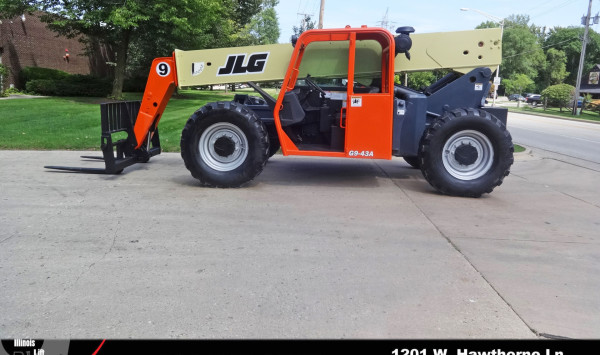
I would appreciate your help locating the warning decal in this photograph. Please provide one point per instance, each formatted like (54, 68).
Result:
(356, 101)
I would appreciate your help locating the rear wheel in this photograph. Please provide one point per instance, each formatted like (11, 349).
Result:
(224, 145)
(466, 153)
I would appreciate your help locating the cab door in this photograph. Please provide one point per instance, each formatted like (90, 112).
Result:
(369, 105)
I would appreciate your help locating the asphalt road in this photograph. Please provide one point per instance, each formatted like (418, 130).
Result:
(313, 248)
(570, 138)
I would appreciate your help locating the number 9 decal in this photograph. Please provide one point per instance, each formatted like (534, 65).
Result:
(163, 69)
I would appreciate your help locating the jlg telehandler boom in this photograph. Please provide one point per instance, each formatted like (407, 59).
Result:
(338, 99)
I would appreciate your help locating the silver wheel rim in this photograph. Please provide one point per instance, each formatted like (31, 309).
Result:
(485, 155)
(230, 134)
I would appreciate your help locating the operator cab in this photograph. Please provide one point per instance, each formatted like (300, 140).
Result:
(337, 96)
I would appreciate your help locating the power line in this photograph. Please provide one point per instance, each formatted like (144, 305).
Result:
(546, 8)
(555, 8)
(535, 50)
(306, 6)
(304, 14)
(316, 5)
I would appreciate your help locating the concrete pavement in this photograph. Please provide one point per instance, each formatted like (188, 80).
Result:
(313, 248)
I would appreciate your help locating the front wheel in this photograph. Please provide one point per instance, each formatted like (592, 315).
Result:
(466, 152)
(224, 145)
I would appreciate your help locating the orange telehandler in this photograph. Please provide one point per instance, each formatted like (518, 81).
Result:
(338, 99)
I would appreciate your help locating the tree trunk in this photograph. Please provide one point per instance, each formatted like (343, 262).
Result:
(122, 46)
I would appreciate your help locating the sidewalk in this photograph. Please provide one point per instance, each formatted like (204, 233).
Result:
(19, 96)
(512, 105)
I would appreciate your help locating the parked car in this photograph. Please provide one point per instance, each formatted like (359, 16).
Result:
(533, 99)
(516, 97)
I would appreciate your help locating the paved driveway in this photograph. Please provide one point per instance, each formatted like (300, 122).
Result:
(313, 248)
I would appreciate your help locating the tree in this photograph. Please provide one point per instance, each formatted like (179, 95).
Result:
(421, 79)
(568, 40)
(12, 8)
(306, 24)
(155, 39)
(554, 71)
(242, 11)
(522, 52)
(559, 95)
(263, 28)
(119, 24)
(517, 84)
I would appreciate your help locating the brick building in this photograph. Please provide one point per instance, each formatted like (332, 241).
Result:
(26, 42)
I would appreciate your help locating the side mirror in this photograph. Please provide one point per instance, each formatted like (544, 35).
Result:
(403, 41)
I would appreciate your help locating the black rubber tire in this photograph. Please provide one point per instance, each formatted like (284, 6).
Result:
(459, 126)
(415, 162)
(225, 122)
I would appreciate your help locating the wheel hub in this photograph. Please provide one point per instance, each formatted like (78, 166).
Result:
(224, 146)
(466, 154)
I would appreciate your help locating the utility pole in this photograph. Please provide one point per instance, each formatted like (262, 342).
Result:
(582, 59)
(385, 21)
(321, 12)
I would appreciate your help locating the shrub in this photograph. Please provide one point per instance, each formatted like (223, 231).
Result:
(41, 86)
(558, 95)
(72, 85)
(13, 91)
(83, 85)
(3, 74)
(35, 73)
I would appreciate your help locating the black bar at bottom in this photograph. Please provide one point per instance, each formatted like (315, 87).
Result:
(305, 347)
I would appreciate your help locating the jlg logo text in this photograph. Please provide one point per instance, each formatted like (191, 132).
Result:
(237, 64)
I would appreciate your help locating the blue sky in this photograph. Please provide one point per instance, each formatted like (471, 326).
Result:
(431, 15)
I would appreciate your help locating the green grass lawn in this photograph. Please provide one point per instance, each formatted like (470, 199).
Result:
(519, 149)
(73, 123)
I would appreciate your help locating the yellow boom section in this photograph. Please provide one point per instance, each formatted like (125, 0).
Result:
(460, 51)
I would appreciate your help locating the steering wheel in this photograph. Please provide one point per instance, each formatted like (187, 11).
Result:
(359, 85)
(315, 86)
